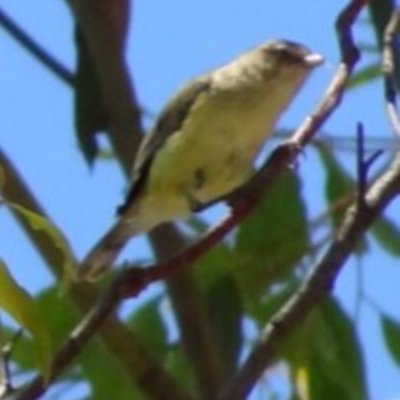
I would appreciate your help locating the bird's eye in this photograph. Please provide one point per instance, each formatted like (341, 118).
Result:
(288, 52)
(288, 57)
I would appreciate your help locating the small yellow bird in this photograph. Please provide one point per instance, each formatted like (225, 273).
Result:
(204, 142)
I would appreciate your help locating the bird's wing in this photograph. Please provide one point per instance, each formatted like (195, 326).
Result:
(170, 121)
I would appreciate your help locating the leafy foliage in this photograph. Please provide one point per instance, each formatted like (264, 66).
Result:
(241, 284)
(272, 241)
(22, 307)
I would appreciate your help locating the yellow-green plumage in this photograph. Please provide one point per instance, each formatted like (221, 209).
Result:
(204, 142)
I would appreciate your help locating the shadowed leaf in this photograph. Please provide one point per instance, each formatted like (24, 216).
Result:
(90, 113)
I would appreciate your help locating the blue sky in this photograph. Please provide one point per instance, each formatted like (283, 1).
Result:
(171, 42)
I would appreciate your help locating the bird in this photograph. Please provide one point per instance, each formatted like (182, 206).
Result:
(204, 142)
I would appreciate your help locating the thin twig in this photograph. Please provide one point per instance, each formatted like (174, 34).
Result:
(361, 170)
(6, 387)
(363, 166)
(334, 93)
(37, 51)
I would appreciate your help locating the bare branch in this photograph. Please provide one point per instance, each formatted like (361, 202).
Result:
(334, 93)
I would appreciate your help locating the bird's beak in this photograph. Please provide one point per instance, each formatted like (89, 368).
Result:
(313, 59)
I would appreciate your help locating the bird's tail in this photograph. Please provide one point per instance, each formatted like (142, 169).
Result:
(104, 253)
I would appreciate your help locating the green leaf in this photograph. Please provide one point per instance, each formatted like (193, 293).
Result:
(214, 277)
(57, 240)
(391, 333)
(96, 362)
(148, 324)
(106, 376)
(16, 301)
(61, 318)
(23, 351)
(340, 189)
(272, 240)
(213, 266)
(224, 308)
(328, 352)
(339, 184)
(60, 313)
(2, 180)
(380, 12)
(387, 234)
(16, 191)
(269, 304)
(177, 364)
(366, 75)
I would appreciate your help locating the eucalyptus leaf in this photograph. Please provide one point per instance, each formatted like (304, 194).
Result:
(57, 239)
(90, 113)
(367, 74)
(16, 301)
(226, 319)
(387, 234)
(147, 322)
(271, 242)
(391, 334)
(327, 354)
